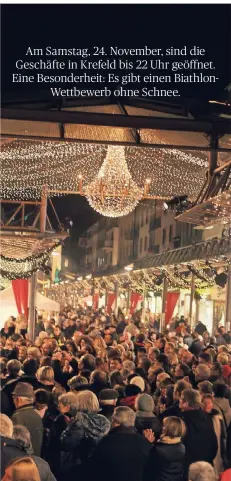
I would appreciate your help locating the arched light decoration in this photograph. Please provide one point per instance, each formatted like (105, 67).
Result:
(113, 193)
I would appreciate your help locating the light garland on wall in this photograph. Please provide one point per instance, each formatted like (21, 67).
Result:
(113, 193)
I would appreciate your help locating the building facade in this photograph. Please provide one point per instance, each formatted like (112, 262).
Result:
(149, 229)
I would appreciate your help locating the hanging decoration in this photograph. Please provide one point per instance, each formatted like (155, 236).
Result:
(12, 268)
(28, 165)
(113, 193)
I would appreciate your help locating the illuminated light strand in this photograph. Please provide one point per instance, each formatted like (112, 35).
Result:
(113, 193)
(28, 165)
(12, 268)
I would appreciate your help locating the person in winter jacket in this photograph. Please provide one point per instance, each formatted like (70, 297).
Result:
(82, 435)
(145, 419)
(200, 328)
(107, 400)
(199, 429)
(220, 461)
(221, 402)
(122, 455)
(16, 443)
(26, 415)
(166, 460)
(131, 392)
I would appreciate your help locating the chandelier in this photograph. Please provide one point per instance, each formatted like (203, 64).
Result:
(113, 193)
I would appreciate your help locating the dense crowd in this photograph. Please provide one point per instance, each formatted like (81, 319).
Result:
(107, 397)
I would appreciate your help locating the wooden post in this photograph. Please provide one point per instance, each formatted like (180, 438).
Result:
(43, 210)
(116, 298)
(192, 294)
(128, 299)
(33, 279)
(228, 301)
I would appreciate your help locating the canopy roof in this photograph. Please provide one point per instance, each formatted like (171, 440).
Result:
(46, 144)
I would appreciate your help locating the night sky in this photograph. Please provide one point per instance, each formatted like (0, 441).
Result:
(131, 26)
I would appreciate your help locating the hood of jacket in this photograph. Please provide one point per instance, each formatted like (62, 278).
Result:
(94, 425)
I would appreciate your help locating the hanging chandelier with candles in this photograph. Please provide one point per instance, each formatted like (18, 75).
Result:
(113, 193)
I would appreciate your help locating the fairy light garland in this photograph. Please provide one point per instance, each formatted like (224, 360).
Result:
(12, 268)
(26, 166)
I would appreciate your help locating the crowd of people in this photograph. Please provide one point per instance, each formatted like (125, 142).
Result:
(108, 397)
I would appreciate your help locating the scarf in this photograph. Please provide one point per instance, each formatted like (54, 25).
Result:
(168, 440)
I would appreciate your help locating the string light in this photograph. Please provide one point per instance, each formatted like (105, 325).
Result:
(26, 166)
(12, 268)
(113, 193)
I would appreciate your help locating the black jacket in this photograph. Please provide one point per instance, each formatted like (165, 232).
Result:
(97, 387)
(200, 328)
(11, 449)
(200, 440)
(173, 410)
(52, 449)
(122, 455)
(79, 439)
(107, 411)
(166, 462)
(144, 421)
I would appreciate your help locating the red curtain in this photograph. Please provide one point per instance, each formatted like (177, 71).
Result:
(134, 299)
(20, 289)
(172, 298)
(95, 301)
(110, 301)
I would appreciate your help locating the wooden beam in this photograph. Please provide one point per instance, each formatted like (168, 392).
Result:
(130, 121)
(111, 142)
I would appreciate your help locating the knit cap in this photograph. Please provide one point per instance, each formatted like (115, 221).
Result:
(145, 403)
(138, 381)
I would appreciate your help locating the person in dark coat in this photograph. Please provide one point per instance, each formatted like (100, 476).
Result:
(26, 415)
(200, 439)
(174, 409)
(123, 454)
(98, 382)
(130, 394)
(145, 419)
(17, 444)
(107, 401)
(82, 435)
(200, 328)
(166, 460)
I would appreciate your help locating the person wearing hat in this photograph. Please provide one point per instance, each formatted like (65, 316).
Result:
(145, 419)
(107, 401)
(26, 415)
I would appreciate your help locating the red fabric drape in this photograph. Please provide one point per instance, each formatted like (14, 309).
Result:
(110, 300)
(134, 299)
(20, 289)
(95, 301)
(16, 290)
(172, 298)
(24, 295)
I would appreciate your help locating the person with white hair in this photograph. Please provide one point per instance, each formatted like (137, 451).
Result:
(81, 436)
(16, 443)
(131, 448)
(201, 471)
